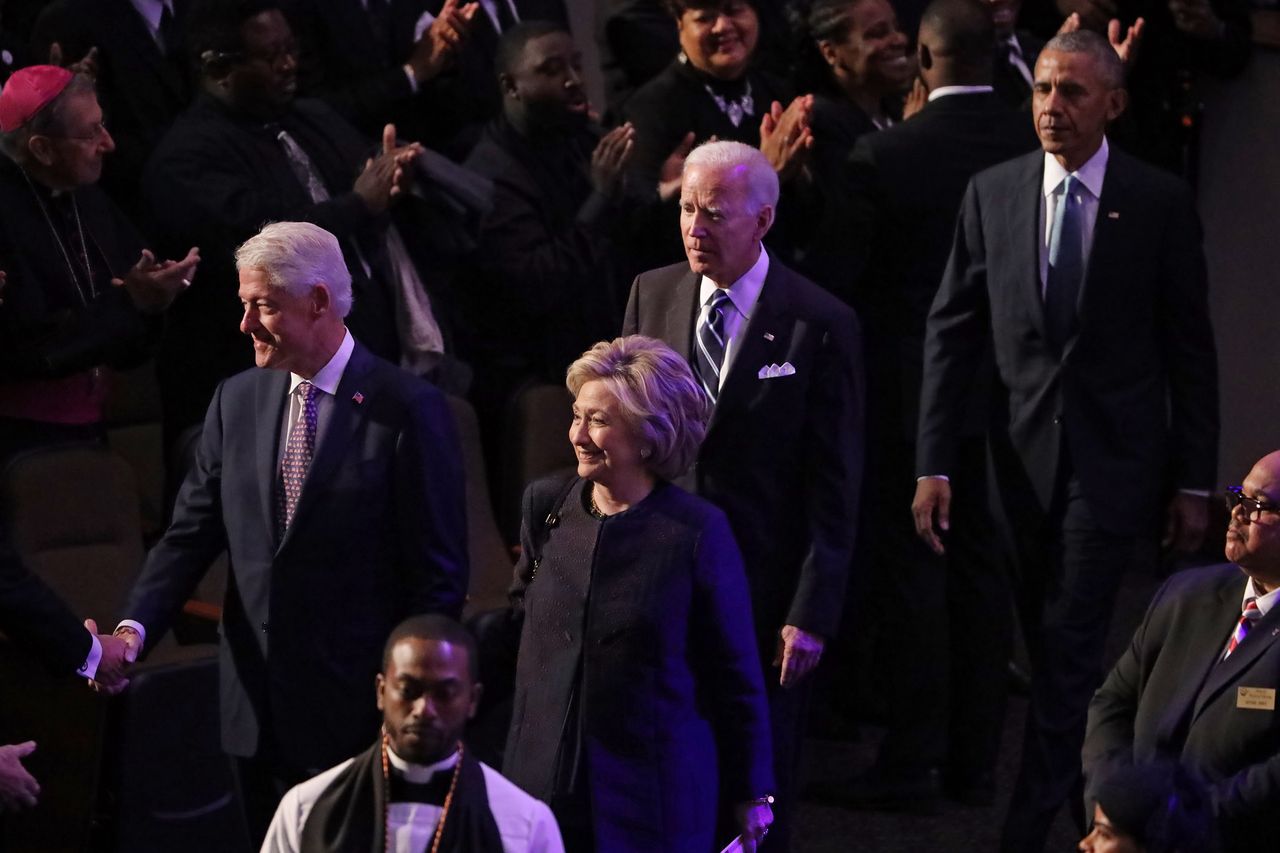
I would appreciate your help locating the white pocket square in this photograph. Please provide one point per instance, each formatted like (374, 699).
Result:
(772, 371)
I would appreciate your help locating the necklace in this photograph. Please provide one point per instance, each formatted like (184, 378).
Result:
(386, 790)
(66, 256)
(596, 512)
(736, 108)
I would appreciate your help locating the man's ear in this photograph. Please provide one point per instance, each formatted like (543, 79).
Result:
(764, 220)
(477, 691)
(828, 50)
(321, 299)
(507, 83)
(379, 685)
(1117, 103)
(41, 148)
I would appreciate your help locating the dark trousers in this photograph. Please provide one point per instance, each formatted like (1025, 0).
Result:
(949, 628)
(261, 786)
(788, 710)
(1068, 573)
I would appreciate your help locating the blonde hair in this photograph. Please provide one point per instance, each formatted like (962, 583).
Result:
(659, 398)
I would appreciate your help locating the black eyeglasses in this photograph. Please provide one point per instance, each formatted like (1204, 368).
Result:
(1253, 508)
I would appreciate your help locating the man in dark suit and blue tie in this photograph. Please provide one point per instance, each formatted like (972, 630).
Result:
(1083, 270)
(332, 479)
(780, 360)
(1198, 683)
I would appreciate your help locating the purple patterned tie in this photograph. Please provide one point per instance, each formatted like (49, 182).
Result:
(297, 457)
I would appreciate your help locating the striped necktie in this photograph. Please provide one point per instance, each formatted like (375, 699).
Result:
(710, 344)
(298, 451)
(1250, 615)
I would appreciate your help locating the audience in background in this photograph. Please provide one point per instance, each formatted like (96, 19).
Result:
(503, 256)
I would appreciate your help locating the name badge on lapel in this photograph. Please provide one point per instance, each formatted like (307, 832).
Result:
(1256, 698)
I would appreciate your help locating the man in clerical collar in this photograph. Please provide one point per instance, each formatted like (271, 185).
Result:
(83, 296)
(417, 787)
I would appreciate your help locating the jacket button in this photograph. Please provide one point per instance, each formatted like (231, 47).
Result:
(1057, 419)
(264, 627)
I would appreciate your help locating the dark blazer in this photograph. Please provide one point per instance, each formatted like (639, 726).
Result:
(1134, 394)
(379, 534)
(905, 188)
(652, 604)
(782, 456)
(1011, 87)
(141, 89)
(1171, 696)
(34, 617)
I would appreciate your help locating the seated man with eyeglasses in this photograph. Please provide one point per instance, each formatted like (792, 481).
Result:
(82, 296)
(1198, 683)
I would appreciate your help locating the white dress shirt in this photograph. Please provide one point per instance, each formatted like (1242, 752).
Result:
(944, 91)
(1088, 188)
(151, 10)
(743, 295)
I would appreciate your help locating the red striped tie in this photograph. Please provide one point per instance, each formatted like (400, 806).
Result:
(1250, 615)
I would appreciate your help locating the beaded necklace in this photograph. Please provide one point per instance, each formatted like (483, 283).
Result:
(386, 790)
(66, 256)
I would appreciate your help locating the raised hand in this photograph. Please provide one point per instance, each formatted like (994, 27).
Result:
(153, 285)
(610, 157)
(672, 171)
(441, 42)
(785, 135)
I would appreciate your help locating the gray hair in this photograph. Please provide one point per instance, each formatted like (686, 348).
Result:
(1105, 58)
(659, 398)
(296, 256)
(49, 120)
(761, 179)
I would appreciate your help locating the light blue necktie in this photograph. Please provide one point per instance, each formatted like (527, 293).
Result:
(709, 346)
(1066, 267)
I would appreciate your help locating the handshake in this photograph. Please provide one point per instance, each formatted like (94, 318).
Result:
(119, 651)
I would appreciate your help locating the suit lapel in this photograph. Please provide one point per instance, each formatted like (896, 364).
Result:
(766, 333)
(137, 39)
(680, 314)
(1023, 234)
(272, 396)
(348, 411)
(1232, 670)
(1206, 640)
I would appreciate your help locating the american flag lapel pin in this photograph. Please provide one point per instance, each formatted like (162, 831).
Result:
(358, 398)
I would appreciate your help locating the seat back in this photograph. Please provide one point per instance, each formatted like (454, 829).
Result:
(490, 560)
(536, 444)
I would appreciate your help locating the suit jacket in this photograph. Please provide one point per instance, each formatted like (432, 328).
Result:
(1010, 85)
(782, 456)
(1170, 696)
(905, 186)
(33, 616)
(379, 534)
(141, 89)
(1133, 397)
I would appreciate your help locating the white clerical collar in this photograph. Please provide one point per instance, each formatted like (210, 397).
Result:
(944, 91)
(744, 292)
(1264, 600)
(328, 377)
(420, 773)
(1090, 174)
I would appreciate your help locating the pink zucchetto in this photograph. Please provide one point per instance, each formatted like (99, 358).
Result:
(28, 91)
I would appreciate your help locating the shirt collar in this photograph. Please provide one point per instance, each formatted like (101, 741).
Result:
(151, 10)
(744, 292)
(328, 377)
(1265, 601)
(944, 91)
(420, 773)
(1090, 174)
